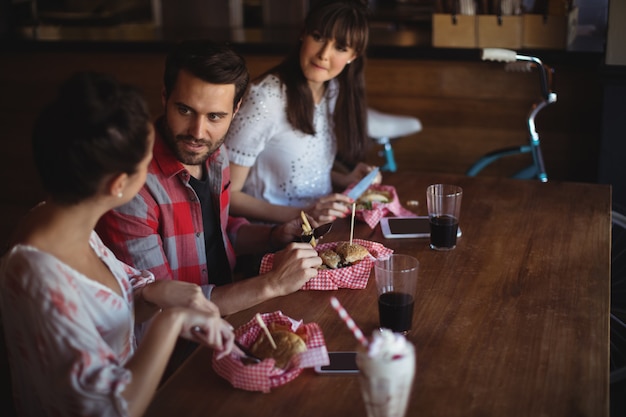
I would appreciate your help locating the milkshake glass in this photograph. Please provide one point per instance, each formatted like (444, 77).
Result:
(387, 369)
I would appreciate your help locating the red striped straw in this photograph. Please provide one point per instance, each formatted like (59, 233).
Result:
(348, 320)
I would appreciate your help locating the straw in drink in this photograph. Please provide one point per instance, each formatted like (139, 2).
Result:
(358, 334)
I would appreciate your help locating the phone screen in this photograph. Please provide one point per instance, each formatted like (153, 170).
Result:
(409, 226)
(340, 363)
(405, 227)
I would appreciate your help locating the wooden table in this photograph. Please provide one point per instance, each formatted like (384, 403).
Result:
(513, 322)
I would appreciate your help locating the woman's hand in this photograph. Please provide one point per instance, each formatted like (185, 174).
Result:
(338, 205)
(344, 180)
(210, 330)
(360, 171)
(329, 208)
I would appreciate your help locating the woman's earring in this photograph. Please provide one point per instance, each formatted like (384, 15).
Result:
(120, 195)
(348, 62)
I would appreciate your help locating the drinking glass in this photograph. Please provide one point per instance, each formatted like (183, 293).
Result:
(396, 282)
(444, 208)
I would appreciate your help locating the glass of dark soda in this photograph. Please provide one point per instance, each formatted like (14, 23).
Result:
(444, 208)
(396, 282)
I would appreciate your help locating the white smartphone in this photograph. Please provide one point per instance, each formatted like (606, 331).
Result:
(407, 227)
(340, 363)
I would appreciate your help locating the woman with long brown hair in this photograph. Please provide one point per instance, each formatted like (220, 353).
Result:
(302, 118)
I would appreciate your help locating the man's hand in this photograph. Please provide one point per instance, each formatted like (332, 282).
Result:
(293, 267)
(291, 231)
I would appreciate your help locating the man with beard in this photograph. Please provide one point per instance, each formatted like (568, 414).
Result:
(178, 226)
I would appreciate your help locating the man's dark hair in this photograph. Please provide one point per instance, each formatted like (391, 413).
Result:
(212, 62)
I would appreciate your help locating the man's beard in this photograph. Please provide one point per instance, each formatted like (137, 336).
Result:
(186, 157)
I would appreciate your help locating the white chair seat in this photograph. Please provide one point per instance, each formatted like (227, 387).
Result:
(384, 125)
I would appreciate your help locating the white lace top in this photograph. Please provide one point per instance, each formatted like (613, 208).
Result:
(288, 167)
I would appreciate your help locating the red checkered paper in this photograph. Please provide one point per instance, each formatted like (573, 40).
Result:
(354, 277)
(379, 209)
(264, 376)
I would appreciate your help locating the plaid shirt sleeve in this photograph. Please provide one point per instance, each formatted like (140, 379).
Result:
(132, 232)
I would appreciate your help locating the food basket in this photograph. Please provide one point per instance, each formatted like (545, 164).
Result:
(354, 276)
(264, 376)
(379, 209)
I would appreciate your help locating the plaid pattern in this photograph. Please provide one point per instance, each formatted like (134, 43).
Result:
(264, 376)
(354, 277)
(161, 228)
(380, 210)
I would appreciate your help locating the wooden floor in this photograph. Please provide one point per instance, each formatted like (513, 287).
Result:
(467, 108)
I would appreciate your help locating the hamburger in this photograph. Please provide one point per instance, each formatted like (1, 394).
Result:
(351, 253)
(344, 254)
(370, 196)
(288, 344)
(330, 258)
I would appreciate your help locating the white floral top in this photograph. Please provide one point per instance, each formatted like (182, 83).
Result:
(287, 167)
(68, 337)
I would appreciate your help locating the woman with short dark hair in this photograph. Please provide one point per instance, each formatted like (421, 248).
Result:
(69, 307)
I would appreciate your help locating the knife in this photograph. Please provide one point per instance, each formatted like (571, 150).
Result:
(317, 233)
(248, 356)
(363, 185)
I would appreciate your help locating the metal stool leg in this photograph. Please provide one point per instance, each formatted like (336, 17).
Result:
(383, 127)
(387, 153)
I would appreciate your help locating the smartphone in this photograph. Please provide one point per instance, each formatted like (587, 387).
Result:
(340, 363)
(407, 227)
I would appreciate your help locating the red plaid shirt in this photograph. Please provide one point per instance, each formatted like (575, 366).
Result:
(161, 230)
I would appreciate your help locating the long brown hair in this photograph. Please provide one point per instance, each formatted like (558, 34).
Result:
(346, 22)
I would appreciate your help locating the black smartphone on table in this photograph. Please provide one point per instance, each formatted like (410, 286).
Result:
(340, 363)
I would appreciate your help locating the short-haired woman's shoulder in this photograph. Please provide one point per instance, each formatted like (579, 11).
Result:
(23, 268)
